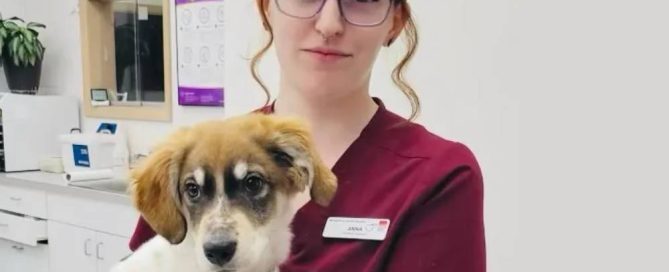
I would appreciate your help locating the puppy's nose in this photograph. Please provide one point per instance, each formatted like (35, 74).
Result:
(220, 252)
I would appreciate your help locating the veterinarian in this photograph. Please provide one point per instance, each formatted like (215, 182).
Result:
(408, 200)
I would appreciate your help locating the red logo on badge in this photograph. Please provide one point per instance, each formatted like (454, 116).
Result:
(383, 222)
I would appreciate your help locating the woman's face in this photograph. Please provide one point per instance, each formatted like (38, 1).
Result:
(325, 55)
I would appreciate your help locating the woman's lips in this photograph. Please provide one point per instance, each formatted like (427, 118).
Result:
(327, 54)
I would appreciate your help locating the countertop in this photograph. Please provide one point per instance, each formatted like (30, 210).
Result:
(114, 190)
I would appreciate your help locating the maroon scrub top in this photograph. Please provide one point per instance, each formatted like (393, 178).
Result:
(430, 188)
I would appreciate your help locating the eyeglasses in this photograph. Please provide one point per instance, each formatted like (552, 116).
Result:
(356, 12)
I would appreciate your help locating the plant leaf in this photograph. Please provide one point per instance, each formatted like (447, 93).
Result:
(40, 49)
(32, 60)
(33, 24)
(11, 26)
(28, 35)
(16, 18)
(34, 32)
(22, 54)
(14, 46)
(30, 49)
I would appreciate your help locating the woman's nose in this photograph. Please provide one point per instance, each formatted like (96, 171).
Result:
(329, 21)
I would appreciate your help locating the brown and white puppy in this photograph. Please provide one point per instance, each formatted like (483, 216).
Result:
(222, 194)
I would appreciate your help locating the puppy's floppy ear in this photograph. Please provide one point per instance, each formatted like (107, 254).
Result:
(291, 146)
(155, 187)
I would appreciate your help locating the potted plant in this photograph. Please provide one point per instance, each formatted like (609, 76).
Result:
(21, 52)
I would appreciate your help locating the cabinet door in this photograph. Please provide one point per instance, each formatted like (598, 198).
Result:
(5, 254)
(17, 257)
(71, 248)
(109, 250)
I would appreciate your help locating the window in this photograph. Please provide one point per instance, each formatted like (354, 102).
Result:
(125, 47)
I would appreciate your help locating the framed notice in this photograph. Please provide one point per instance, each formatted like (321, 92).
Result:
(200, 52)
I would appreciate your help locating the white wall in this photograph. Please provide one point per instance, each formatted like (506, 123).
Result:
(564, 103)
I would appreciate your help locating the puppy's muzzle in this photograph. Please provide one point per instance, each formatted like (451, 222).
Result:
(220, 250)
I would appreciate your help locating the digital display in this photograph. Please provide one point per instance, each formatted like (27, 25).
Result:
(99, 95)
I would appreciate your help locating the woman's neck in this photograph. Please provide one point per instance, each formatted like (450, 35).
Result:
(335, 121)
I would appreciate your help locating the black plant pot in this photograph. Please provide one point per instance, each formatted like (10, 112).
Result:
(22, 79)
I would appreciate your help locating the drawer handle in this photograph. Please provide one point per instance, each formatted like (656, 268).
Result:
(86, 252)
(4, 225)
(97, 251)
(13, 198)
(19, 248)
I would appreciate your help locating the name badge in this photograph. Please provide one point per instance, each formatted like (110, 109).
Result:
(356, 228)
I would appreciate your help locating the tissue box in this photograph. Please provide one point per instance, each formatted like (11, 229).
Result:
(87, 151)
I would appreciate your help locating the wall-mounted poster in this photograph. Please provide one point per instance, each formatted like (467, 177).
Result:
(200, 58)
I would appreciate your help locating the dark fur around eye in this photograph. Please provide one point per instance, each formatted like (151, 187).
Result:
(280, 157)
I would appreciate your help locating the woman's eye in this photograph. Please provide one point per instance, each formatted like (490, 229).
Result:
(193, 190)
(255, 186)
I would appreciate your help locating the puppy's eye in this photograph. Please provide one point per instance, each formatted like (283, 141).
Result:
(192, 190)
(255, 185)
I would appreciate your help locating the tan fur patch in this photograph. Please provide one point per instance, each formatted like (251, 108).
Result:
(154, 187)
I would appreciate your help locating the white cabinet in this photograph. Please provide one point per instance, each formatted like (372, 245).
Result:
(22, 234)
(76, 249)
(46, 227)
(110, 249)
(71, 248)
(17, 257)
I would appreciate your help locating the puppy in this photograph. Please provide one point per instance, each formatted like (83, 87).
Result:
(221, 195)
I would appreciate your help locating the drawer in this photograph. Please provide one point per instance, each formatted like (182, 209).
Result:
(17, 257)
(23, 229)
(23, 201)
(113, 218)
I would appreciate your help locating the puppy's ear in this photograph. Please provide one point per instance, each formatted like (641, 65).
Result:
(154, 187)
(291, 146)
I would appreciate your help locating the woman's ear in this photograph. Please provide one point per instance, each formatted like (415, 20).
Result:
(400, 18)
(155, 188)
(263, 8)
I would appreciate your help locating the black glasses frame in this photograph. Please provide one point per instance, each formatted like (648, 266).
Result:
(341, 12)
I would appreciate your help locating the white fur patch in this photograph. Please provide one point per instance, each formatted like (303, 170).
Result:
(157, 255)
(241, 169)
(199, 176)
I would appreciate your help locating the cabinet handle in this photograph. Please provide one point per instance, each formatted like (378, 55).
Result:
(19, 248)
(86, 247)
(97, 251)
(4, 225)
(13, 198)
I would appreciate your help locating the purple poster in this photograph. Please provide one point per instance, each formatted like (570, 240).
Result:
(200, 52)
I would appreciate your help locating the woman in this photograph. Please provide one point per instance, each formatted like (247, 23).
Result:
(428, 188)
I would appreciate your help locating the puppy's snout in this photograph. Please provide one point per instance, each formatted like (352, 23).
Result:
(220, 251)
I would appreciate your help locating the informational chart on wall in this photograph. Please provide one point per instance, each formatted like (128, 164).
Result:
(200, 48)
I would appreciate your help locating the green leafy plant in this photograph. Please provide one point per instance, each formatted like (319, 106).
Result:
(19, 42)
(4, 31)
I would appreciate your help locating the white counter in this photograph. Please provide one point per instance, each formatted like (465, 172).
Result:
(48, 224)
(104, 190)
